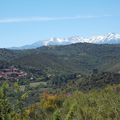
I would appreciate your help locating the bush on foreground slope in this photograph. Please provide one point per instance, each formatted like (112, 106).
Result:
(93, 105)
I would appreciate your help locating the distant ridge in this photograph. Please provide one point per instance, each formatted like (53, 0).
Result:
(110, 38)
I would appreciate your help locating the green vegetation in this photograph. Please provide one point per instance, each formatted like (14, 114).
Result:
(73, 82)
(93, 105)
(75, 58)
(12, 102)
(35, 84)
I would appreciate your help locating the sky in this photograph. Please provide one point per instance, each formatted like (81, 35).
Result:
(27, 21)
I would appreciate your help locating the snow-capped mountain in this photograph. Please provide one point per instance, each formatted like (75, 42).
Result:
(109, 38)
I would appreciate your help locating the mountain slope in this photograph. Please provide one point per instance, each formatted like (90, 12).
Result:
(80, 57)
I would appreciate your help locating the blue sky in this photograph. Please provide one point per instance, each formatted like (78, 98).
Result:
(27, 21)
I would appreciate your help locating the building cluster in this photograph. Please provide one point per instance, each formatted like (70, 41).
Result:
(12, 73)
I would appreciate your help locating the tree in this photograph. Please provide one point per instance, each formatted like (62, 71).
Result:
(5, 107)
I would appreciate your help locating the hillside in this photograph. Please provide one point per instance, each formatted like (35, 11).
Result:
(62, 91)
(79, 57)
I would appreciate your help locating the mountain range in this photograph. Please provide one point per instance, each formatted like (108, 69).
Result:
(110, 38)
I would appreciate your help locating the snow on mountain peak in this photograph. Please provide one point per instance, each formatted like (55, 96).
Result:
(107, 38)
(101, 39)
(110, 38)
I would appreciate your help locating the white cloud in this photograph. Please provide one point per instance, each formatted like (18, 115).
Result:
(38, 18)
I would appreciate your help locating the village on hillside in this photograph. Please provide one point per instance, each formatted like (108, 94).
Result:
(12, 73)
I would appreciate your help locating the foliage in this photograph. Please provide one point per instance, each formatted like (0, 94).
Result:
(51, 102)
(56, 115)
(5, 109)
(101, 104)
(10, 110)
